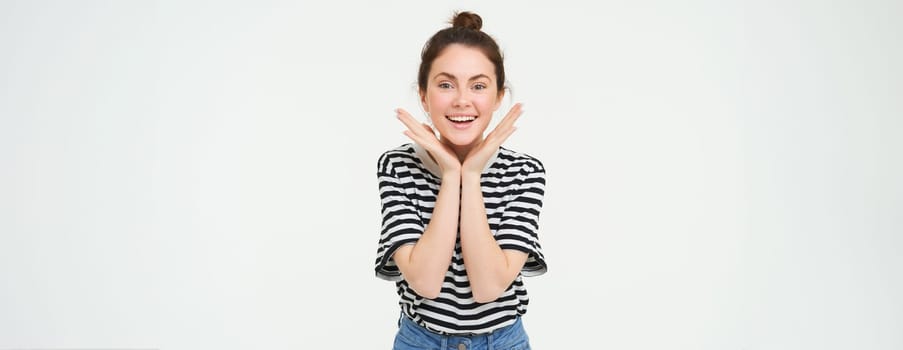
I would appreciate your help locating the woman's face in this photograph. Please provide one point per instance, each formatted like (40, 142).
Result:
(461, 95)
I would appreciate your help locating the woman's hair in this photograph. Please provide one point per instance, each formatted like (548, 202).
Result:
(465, 30)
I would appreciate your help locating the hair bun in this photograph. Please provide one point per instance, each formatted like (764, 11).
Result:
(467, 20)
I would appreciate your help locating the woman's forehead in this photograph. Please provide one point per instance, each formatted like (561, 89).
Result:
(462, 63)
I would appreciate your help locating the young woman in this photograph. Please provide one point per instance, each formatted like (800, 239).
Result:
(460, 212)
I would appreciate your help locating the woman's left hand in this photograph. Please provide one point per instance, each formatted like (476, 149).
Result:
(478, 156)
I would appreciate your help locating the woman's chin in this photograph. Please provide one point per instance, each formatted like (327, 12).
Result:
(459, 141)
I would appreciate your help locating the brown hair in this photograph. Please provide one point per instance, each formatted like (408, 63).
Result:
(465, 30)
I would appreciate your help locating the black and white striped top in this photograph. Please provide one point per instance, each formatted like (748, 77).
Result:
(513, 188)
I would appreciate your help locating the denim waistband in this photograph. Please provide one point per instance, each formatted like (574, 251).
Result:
(414, 335)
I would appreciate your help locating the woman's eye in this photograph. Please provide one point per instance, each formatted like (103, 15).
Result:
(445, 86)
(479, 87)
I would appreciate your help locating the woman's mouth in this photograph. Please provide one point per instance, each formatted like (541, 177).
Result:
(461, 121)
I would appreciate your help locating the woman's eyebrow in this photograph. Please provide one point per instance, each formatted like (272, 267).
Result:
(478, 76)
(452, 77)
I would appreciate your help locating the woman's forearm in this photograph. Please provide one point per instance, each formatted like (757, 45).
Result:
(489, 269)
(425, 263)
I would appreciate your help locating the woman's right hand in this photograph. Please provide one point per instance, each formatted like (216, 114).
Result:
(424, 136)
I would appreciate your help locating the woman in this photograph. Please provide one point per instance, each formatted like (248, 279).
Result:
(460, 212)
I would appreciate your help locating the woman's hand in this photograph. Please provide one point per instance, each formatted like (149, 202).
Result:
(478, 156)
(424, 136)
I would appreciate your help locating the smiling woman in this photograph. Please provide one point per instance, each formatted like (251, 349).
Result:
(460, 212)
(460, 108)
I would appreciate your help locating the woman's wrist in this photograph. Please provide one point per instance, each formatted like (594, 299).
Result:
(451, 174)
(471, 170)
(470, 177)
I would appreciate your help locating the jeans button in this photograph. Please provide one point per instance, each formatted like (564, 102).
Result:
(461, 346)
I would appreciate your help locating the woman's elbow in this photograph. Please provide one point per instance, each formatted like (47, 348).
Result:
(483, 295)
(426, 290)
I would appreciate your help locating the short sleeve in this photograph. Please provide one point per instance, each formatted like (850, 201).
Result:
(519, 226)
(401, 223)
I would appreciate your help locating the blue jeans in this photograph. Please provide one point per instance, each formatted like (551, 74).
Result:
(412, 336)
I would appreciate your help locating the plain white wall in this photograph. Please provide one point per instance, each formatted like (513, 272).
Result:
(201, 175)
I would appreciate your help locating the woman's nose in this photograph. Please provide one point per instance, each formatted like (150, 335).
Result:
(462, 99)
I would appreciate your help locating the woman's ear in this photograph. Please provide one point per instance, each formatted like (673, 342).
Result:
(498, 100)
(423, 103)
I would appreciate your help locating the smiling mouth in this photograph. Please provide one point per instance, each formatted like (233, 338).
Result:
(461, 119)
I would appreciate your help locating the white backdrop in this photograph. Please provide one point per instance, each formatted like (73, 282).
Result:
(201, 175)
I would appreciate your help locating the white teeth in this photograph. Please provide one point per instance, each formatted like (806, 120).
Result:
(461, 118)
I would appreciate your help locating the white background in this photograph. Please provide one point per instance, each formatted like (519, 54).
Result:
(201, 175)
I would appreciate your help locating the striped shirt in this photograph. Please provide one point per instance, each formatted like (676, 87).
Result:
(513, 187)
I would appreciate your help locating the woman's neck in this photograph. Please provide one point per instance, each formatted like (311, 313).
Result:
(462, 150)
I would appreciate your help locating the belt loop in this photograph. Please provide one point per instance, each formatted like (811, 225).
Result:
(489, 344)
